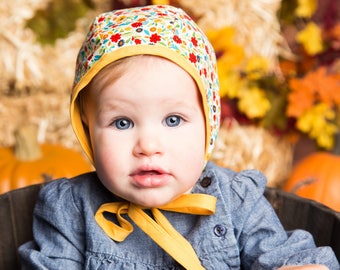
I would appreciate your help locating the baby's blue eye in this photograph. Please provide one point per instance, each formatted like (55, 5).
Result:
(123, 123)
(173, 120)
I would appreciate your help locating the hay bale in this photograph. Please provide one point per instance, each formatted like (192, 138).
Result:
(36, 79)
(241, 147)
(256, 25)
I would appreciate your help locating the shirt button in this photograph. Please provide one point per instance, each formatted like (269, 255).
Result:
(205, 182)
(220, 230)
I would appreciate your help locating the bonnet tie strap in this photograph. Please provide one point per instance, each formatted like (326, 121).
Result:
(158, 229)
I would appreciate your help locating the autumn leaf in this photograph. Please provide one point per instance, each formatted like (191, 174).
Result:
(327, 86)
(311, 38)
(256, 67)
(326, 139)
(317, 123)
(221, 38)
(316, 87)
(231, 58)
(230, 83)
(301, 97)
(253, 102)
(306, 8)
(229, 54)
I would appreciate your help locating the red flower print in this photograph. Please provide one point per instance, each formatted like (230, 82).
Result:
(101, 19)
(155, 38)
(194, 41)
(205, 72)
(177, 39)
(90, 38)
(90, 57)
(115, 37)
(192, 58)
(137, 41)
(136, 24)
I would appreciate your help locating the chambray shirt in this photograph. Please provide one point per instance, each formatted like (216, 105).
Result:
(244, 233)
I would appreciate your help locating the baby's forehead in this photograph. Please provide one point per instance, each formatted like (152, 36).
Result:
(142, 71)
(130, 66)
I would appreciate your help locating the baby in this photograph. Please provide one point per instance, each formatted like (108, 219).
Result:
(145, 108)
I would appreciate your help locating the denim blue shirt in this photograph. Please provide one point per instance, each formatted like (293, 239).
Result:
(244, 233)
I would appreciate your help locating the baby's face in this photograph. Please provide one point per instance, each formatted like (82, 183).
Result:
(147, 131)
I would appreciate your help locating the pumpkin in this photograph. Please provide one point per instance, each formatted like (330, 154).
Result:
(29, 163)
(317, 177)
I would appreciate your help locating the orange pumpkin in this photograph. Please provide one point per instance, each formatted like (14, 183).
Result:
(317, 177)
(29, 163)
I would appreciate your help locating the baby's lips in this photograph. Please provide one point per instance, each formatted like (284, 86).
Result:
(150, 178)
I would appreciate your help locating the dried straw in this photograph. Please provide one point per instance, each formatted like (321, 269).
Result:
(256, 24)
(35, 80)
(248, 147)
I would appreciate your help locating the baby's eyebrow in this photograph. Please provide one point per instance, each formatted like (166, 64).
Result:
(114, 105)
(182, 104)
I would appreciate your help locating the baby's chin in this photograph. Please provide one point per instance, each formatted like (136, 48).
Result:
(153, 201)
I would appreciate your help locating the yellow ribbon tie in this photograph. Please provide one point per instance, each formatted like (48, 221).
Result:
(159, 229)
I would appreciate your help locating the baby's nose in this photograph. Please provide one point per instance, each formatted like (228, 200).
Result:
(148, 143)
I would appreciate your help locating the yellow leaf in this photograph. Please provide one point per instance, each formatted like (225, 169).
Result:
(317, 123)
(311, 38)
(230, 83)
(232, 57)
(253, 102)
(325, 140)
(221, 38)
(306, 8)
(256, 67)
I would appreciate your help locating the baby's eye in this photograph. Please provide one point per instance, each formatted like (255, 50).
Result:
(122, 123)
(173, 120)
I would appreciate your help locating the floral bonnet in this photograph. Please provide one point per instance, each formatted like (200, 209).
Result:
(159, 30)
